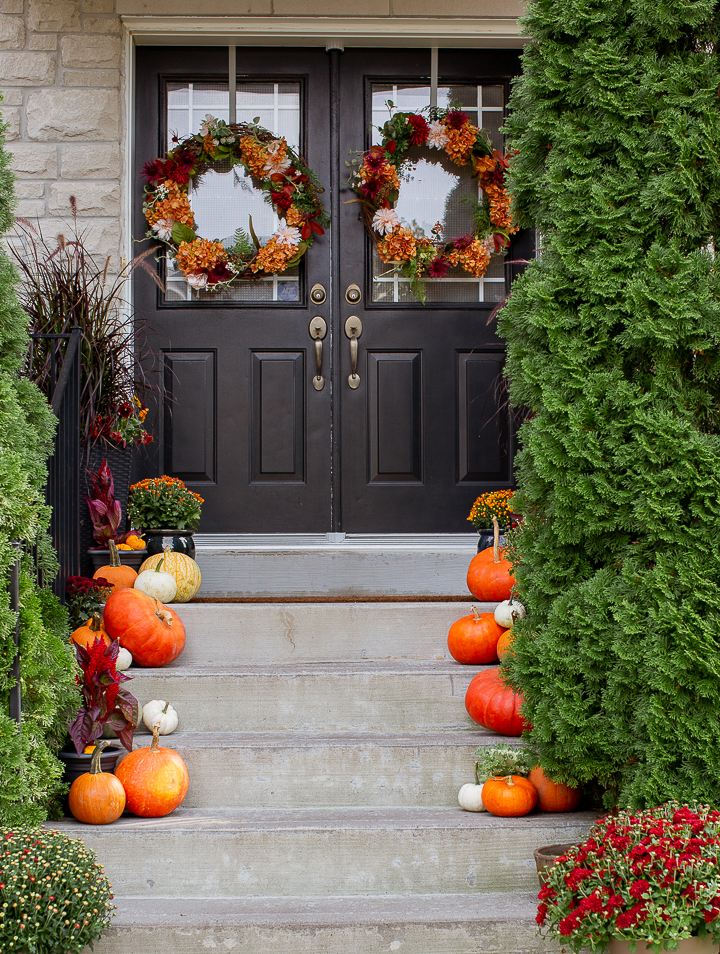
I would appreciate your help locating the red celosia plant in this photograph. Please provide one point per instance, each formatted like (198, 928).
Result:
(105, 510)
(649, 876)
(106, 704)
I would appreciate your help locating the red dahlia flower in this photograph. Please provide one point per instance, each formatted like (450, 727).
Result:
(419, 129)
(456, 119)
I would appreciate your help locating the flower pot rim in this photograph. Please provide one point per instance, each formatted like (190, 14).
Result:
(108, 750)
(168, 532)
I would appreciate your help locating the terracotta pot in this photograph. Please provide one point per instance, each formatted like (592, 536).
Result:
(688, 945)
(544, 857)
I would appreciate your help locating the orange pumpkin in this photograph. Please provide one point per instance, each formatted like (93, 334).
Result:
(87, 634)
(118, 576)
(490, 579)
(97, 797)
(155, 780)
(504, 646)
(493, 705)
(473, 639)
(509, 796)
(149, 630)
(553, 796)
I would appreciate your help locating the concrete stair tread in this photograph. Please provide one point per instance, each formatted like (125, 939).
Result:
(332, 819)
(400, 667)
(274, 911)
(303, 739)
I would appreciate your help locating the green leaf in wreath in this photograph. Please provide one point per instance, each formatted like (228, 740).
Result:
(255, 239)
(301, 249)
(182, 233)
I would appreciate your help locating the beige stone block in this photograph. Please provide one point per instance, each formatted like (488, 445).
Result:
(210, 8)
(12, 118)
(12, 6)
(10, 97)
(331, 8)
(98, 161)
(30, 189)
(98, 6)
(12, 33)
(457, 8)
(88, 51)
(61, 114)
(53, 16)
(43, 41)
(22, 68)
(101, 25)
(34, 161)
(30, 208)
(92, 78)
(92, 198)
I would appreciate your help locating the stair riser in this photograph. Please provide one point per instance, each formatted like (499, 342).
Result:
(357, 701)
(319, 776)
(227, 634)
(226, 863)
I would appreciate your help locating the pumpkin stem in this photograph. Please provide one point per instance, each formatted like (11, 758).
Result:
(496, 539)
(475, 613)
(165, 709)
(95, 766)
(156, 737)
(114, 558)
(477, 777)
(160, 563)
(163, 614)
(96, 623)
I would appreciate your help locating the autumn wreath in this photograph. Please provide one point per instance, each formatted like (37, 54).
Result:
(376, 180)
(290, 187)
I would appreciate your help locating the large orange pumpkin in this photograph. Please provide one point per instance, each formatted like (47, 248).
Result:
(509, 796)
(473, 639)
(553, 796)
(153, 633)
(86, 634)
(97, 797)
(155, 780)
(504, 645)
(491, 704)
(489, 579)
(118, 576)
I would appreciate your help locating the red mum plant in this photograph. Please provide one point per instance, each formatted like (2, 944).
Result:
(85, 597)
(651, 876)
(106, 703)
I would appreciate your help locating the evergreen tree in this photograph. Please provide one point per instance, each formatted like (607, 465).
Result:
(613, 347)
(29, 771)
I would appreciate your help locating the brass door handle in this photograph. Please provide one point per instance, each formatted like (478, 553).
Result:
(353, 329)
(318, 330)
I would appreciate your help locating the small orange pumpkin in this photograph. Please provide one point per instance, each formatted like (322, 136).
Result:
(87, 634)
(489, 576)
(118, 576)
(155, 780)
(473, 639)
(504, 646)
(97, 797)
(509, 796)
(553, 796)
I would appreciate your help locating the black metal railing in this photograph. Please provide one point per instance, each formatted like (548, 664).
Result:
(15, 695)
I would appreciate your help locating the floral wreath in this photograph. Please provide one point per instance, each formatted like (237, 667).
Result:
(289, 185)
(376, 180)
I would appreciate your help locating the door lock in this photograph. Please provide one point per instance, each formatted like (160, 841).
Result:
(317, 294)
(318, 330)
(353, 294)
(353, 329)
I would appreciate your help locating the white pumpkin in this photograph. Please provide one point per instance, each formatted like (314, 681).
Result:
(160, 713)
(157, 583)
(470, 797)
(124, 660)
(182, 568)
(507, 612)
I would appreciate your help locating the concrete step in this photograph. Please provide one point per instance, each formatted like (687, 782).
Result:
(235, 634)
(372, 696)
(420, 924)
(323, 852)
(325, 770)
(334, 565)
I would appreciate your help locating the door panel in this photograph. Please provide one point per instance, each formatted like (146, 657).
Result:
(190, 434)
(278, 414)
(482, 433)
(394, 417)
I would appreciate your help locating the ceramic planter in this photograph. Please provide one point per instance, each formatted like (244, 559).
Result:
(487, 538)
(688, 945)
(76, 765)
(132, 558)
(179, 541)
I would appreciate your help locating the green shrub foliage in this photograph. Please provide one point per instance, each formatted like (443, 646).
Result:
(29, 770)
(613, 337)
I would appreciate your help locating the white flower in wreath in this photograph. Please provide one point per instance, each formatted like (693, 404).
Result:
(207, 124)
(437, 136)
(276, 164)
(287, 236)
(163, 229)
(385, 221)
(196, 279)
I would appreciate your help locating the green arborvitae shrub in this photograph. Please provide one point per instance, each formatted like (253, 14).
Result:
(613, 346)
(29, 771)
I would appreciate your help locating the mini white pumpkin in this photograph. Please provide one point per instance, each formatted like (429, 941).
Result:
(157, 583)
(470, 795)
(160, 713)
(507, 612)
(124, 660)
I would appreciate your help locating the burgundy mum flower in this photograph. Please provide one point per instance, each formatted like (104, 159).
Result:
(456, 119)
(155, 171)
(219, 273)
(464, 241)
(438, 266)
(374, 158)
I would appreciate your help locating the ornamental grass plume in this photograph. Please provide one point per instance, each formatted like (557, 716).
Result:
(54, 896)
(613, 338)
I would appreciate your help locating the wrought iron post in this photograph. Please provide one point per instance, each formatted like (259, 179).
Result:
(15, 693)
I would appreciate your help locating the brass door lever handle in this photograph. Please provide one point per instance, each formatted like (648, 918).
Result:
(353, 329)
(318, 330)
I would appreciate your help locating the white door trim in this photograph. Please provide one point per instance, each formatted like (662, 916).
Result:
(481, 32)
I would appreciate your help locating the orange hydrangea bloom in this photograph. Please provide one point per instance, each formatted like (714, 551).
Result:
(399, 246)
(273, 257)
(294, 216)
(255, 156)
(474, 259)
(200, 255)
(460, 142)
(175, 206)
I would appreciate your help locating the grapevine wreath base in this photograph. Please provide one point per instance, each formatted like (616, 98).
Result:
(289, 186)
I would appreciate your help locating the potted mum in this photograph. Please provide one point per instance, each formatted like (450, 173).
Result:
(168, 513)
(496, 504)
(644, 880)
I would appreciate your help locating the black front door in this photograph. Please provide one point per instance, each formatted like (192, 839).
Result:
(423, 431)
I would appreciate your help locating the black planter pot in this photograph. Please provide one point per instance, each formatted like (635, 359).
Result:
(487, 537)
(76, 765)
(179, 541)
(133, 558)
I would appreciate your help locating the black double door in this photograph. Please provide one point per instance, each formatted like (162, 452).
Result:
(425, 428)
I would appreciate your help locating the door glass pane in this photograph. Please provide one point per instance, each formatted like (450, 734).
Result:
(225, 198)
(434, 189)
